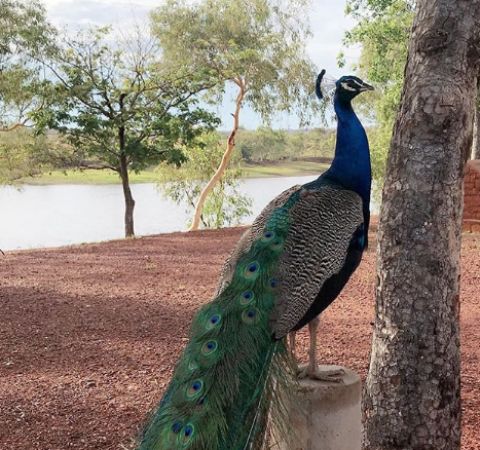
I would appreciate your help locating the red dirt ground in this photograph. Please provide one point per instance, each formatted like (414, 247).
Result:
(89, 334)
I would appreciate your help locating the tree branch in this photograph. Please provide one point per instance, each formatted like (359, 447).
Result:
(13, 127)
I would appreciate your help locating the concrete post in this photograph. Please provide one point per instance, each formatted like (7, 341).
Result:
(326, 415)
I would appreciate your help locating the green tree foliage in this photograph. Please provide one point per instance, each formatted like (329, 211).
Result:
(25, 36)
(22, 154)
(383, 29)
(257, 43)
(119, 108)
(226, 205)
(265, 144)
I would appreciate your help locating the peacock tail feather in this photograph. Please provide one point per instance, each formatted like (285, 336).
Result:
(224, 383)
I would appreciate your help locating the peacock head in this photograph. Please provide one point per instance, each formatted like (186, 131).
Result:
(346, 88)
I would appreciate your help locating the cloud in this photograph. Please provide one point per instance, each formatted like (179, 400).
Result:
(327, 21)
(329, 25)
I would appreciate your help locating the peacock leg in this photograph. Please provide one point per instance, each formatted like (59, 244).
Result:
(312, 370)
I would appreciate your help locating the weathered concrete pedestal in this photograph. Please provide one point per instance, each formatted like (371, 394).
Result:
(326, 415)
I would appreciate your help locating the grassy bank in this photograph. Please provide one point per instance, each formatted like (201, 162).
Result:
(276, 169)
(283, 169)
(88, 177)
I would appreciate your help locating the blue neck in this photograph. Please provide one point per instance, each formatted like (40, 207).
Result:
(351, 164)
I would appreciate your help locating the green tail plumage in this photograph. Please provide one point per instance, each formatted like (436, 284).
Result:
(222, 387)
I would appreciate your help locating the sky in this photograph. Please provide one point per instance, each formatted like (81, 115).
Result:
(327, 21)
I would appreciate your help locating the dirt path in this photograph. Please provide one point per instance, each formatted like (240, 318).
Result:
(89, 334)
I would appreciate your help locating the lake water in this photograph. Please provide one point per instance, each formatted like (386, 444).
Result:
(55, 215)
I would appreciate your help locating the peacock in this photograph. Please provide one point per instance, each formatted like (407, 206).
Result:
(287, 268)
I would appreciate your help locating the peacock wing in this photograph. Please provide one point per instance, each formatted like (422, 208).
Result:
(322, 224)
(251, 235)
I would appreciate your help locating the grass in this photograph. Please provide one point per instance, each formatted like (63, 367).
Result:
(283, 169)
(89, 176)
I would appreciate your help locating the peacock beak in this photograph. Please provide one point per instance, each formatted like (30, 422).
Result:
(366, 87)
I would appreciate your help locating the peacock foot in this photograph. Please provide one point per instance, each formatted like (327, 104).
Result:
(315, 373)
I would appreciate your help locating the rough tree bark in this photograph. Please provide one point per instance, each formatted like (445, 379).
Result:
(227, 156)
(476, 132)
(412, 393)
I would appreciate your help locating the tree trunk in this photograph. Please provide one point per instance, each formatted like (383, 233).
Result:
(227, 156)
(127, 193)
(476, 133)
(412, 392)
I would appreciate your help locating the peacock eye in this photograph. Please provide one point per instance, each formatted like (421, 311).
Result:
(274, 283)
(250, 316)
(213, 321)
(252, 270)
(209, 347)
(186, 436)
(268, 236)
(194, 389)
(247, 297)
(176, 427)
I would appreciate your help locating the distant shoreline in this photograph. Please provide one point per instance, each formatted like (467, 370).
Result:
(301, 167)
